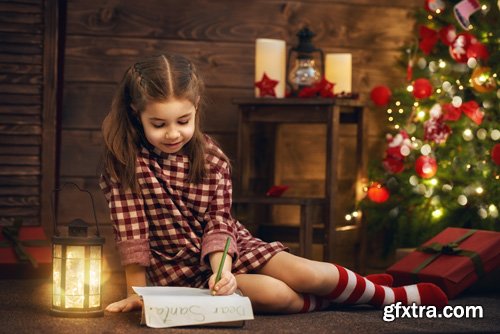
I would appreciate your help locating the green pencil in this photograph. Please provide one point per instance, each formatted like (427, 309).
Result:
(222, 260)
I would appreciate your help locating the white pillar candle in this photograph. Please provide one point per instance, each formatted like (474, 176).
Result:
(338, 70)
(270, 57)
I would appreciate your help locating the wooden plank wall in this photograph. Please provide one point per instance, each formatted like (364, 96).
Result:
(21, 100)
(104, 37)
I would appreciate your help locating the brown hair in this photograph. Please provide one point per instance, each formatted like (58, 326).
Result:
(154, 79)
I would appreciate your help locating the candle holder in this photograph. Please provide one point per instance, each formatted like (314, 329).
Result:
(77, 268)
(305, 72)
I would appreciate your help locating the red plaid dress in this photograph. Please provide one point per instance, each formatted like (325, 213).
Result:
(172, 224)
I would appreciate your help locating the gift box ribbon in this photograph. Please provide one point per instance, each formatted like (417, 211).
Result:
(438, 249)
(11, 235)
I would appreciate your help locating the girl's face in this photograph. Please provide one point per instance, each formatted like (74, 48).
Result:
(169, 125)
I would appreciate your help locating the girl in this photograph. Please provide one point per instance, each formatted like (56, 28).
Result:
(169, 191)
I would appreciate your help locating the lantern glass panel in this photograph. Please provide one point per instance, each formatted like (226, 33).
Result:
(95, 277)
(75, 271)
(56, 286)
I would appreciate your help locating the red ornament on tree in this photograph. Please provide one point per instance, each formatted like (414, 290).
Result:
(478, 51)
(436, 129)
(426, 166)
(422, 88)
(428, 39)
(378, 193)
(448, 34)
(495, 154)
(458, 49)
(266, 86)
(381, 95)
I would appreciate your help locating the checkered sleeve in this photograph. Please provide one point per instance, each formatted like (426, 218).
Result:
(129, 222)
(219, 222)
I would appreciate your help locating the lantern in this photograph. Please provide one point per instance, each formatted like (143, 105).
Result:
(77, 266)
(304, 72)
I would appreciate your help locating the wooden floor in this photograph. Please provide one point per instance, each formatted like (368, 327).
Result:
(25, 308)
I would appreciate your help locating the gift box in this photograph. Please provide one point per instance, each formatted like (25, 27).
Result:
(25, 252)
(454, 260)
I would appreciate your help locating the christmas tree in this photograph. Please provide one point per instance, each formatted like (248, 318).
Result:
(441, 166)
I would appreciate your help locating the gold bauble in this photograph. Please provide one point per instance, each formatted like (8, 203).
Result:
(482, 81)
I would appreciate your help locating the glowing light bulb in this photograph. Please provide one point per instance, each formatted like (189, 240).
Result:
(398, 103)
(409, 88)
(468, 135)
(462, 200)
(438, 213)
(421, 114)
(482, 134)
(493, 211)
(456, 101)
(413, 180)
(348, 217)
(434, 182)
(447, 187)
(426, 149)
(479, 190)
(495, 134)
(389, 111)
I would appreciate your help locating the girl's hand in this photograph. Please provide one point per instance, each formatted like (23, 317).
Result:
(128, 304)
(226, 286)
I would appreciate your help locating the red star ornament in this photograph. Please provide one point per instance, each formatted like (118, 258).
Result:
(266, 86)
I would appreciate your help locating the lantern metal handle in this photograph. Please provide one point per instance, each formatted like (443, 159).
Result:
(54, 213)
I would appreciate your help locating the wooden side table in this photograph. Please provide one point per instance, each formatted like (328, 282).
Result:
(273, 111)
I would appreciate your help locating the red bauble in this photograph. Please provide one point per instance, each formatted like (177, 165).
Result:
(422, 88)
(425, 166)
(495, 154)
(381, 95)
(448, 34)
(458, 49)
(378, 193)
(393, 164)
(478, 51)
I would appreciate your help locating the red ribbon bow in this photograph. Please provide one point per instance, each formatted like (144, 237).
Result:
(470, 109)
(323, 88)
(428, 38)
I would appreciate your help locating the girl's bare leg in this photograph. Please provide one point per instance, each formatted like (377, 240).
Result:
(269, 295)
(300, 274)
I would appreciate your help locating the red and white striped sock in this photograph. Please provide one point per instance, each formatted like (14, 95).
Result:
(381, 279)
(313, 303)
(355, 289)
